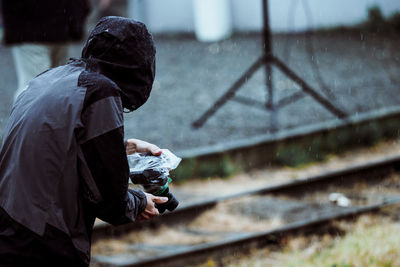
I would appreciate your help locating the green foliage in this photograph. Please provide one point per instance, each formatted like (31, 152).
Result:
(376, 22)
(317, 148)
(391, 129)
(368, 135)
(296, 152)
(185, 170)
(221, 168)
(296, 155)
(394, 22)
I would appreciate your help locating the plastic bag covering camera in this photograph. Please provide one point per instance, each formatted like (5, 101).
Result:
(152, 171)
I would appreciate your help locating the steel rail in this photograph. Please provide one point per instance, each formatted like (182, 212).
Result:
(242, 243)
(182, 256)
(187, 212)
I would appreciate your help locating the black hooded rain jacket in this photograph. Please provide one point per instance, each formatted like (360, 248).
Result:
(63, 161)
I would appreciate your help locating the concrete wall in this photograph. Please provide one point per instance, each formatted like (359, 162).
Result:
(164, 15)
(285, 15)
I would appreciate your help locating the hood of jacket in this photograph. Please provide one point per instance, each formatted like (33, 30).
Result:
(123, 50)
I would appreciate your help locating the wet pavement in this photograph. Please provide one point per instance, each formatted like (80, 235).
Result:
(357, 73)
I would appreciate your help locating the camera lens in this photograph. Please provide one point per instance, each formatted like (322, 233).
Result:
(170, 205)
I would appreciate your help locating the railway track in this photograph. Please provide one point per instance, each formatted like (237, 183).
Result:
(302, 205)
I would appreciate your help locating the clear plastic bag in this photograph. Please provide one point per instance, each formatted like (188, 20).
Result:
(167, 161)
(152, 172)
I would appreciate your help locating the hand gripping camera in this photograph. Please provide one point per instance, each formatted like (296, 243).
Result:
(151, 172)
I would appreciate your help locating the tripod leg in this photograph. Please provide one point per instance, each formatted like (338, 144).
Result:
(267, 50)
(307, 89)
(270, 97)
(229, 94)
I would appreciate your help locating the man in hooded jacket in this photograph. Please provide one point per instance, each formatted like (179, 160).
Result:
(63, 158)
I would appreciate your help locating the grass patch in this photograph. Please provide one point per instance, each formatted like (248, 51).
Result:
(371, 240)
(222, 167)
(367, 245)
(318, 147)
(297, 152)
(185, 170)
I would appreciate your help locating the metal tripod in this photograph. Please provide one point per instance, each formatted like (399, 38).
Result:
(267, 59)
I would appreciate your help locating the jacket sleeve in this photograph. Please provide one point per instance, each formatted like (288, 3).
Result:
(102, 145)
(106, 159)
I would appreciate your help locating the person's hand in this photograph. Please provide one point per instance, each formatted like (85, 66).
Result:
(151, 210)
(136, 145)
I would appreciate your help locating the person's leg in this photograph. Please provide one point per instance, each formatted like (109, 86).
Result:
(30, 60)
(59, 54)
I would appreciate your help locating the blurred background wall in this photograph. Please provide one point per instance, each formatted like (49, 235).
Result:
(172, 16)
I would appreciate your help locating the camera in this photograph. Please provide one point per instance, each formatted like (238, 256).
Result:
(155, 181)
